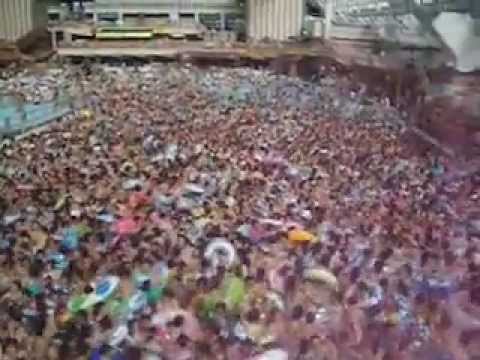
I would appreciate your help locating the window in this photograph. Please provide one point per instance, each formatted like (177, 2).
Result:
(211, 21)
(108, 17)
(54, 16)
(232, 21)
(314, 9)
(187, 16)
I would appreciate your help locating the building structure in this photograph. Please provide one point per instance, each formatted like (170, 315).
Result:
(18, 18)
(275, 19)
(216, 14)
(407, 23)
(454, 24)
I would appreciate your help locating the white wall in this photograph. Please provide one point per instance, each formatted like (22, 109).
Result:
(16, 18)
(457, 32)
(274, 19)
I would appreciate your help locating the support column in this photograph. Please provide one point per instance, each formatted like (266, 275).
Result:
(53, 38)
(329, 9)
(293, 66)
(120, 18)
(222, 21)
(174, 15)
(67, 37)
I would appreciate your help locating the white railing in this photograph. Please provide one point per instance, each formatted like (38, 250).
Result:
(162, 3)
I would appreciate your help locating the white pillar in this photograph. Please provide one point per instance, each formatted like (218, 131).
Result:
(120, 18)
(174, 16)
(329, 9)
(67, 37)
(53, 34)
(222, 21)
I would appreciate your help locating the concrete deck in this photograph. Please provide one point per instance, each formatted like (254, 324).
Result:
(184, 50)
(142, 52)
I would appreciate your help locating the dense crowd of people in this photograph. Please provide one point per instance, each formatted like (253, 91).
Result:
(185, 213)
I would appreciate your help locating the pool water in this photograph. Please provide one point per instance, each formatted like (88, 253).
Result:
(16, 118)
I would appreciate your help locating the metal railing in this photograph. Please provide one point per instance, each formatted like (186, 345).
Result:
(368, 8)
